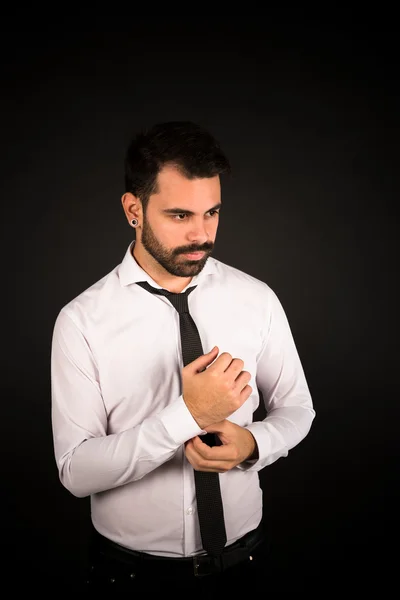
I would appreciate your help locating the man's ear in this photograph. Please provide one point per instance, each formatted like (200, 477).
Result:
(132, 207)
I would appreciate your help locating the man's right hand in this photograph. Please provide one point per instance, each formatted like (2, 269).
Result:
(212, 394)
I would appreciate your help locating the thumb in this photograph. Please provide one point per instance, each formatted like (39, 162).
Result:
(200, 363)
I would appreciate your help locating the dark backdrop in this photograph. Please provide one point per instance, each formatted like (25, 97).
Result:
(308, 114)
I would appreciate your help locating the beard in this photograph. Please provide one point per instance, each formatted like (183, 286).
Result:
(172, 260)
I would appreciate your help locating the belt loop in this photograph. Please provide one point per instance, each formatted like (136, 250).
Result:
(196, 567)
(216, 562)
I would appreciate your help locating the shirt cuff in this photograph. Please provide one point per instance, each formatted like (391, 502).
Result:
(179, 423)
(254, 464)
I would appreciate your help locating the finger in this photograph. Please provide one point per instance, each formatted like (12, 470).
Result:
(213, 468)
(246, 393)
(201, 464)
(235, 368)
(200, 364)
(242, 380)
(221, 363)
(214, 453)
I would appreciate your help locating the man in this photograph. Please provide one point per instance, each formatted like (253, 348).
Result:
(133, 419)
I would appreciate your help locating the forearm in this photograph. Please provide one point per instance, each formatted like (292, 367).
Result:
(279, 432)
(104, 462)
(287, 399)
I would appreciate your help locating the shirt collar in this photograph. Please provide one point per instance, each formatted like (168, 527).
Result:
(129, 271)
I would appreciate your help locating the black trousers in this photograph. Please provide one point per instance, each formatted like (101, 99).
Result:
(111, 569)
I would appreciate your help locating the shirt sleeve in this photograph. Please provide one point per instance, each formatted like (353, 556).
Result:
(88, 459)
(281, 379)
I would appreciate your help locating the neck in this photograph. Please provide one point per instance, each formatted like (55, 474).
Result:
(157, 272)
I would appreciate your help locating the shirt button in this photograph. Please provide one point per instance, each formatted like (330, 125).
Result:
(189, 511)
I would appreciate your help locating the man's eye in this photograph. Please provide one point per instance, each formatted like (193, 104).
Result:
(178, 217)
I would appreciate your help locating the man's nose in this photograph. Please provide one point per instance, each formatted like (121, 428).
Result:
(198, 232)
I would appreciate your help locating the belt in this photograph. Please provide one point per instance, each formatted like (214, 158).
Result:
(197, 566)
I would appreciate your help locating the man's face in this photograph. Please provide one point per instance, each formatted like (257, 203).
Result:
(181, 218)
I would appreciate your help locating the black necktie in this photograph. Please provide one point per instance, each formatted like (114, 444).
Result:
(208, 492)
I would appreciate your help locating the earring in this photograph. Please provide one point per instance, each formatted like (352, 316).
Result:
(134, 222)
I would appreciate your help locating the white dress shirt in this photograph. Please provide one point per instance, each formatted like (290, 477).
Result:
(118, 415)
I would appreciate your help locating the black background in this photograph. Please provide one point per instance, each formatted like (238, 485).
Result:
(308, 115)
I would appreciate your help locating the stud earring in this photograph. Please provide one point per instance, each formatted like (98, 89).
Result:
(134, 222)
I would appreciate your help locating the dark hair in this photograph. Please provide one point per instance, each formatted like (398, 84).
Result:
(183, 144)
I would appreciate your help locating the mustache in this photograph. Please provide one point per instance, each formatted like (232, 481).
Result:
(204, 248)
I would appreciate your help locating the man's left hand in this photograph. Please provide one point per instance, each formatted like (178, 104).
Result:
(238, 445)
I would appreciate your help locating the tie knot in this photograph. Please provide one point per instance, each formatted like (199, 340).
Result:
(178, 301)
